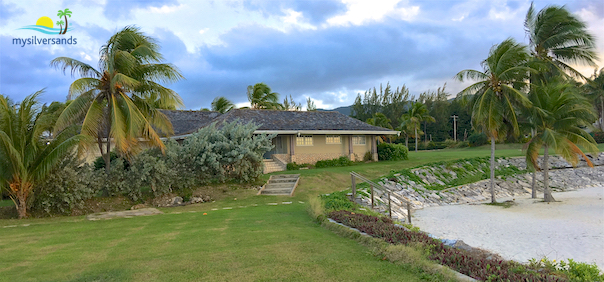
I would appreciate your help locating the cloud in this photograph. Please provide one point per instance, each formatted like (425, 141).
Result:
(8, 11)
(314, 12)
(122, 9)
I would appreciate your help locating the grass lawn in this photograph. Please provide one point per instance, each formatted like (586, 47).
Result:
(262, 242)
(243, 244)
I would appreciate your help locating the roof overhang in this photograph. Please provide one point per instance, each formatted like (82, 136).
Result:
(299, 132)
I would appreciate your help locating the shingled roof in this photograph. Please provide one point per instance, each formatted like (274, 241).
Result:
(185, 122)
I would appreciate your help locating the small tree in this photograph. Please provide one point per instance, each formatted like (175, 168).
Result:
(559, 116)
(25, 157)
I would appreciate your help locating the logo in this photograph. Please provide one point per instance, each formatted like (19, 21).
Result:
(45, 24)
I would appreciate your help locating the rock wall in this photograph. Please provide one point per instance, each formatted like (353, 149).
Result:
(415, 187)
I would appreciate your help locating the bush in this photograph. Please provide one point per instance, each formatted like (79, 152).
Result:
(67, 187)
(392, 152)
(341, 161)
(368, 156)
(99, 163)
(599, 137)
(292, 166)
(478, 139)
(478, 265)
(462, 144)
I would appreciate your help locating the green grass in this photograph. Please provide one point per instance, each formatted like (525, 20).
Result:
(253, 243)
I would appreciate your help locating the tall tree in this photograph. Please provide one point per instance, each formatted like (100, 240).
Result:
(559, 114)
(262, 97)
(559, 39)
(111, 102)
(380, 120)
(26, 157)
(594, 90)
(390, 103)
(64, 13)
(222, 105)
(417, 114)
(494, 97)
(310, 105)
(290, 105)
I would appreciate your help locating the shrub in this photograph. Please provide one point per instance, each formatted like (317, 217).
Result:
(67, 187)
(450, 143)
(475, 264)
(462, 144)
(477, 139)
(368, 156)
(341, 161)
(599, 137)
(99, 163)
(292, 166)
(392, 152)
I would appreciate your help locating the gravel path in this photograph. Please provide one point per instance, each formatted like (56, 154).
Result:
(571, 228)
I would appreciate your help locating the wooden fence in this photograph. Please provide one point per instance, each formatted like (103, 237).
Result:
(384, 196)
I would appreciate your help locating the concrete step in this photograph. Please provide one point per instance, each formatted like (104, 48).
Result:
(280, 185)
(283, 180)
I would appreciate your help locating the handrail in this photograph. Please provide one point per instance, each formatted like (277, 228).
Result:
(382, 189)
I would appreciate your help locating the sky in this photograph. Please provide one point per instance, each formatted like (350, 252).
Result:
(329, 51)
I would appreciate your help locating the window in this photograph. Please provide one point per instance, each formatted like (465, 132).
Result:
(304, 140)
(333, 139)
(358, 140)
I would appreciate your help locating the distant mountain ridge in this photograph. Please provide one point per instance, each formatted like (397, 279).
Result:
(343, 110)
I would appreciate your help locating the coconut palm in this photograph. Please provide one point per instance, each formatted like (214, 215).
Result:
(594, 90)
(60, 23)
(405, 128)
(494, 97)
(64, 13)
(112, 102)
(222, 105)
(25, 157)
(262, 97)
(380, 120)
(559, 38)
(559, 115)
(417, 114)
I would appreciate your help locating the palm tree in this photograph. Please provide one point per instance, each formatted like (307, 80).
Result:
(262, 97)
(60, 23)
(594, 89)
(495, 95)
(559, 114)
(112, 102)
(222, 105)
(380, 120)
(559, 38)
(415, 116)
(25, 157)
(64, 13)
(405, 128)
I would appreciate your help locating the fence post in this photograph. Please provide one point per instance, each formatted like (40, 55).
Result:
(372, 197)
(354, 187)
(389, 206)
(409, 212)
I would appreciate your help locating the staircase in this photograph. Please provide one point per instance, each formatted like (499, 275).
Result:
(283, 184)
(271, 165)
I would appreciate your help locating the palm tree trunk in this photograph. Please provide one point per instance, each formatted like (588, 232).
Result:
(533, 189)
(107, 155)
(416, 139)
(407, 141)
(602, 113)
(66, 24)
(425, 132)
(493, 170)
(547, 194)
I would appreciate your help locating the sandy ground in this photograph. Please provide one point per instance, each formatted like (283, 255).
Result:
(571, 228)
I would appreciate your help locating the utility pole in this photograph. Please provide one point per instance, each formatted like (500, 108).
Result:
(455, 127)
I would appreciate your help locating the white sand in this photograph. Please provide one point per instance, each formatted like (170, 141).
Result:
(571, 228)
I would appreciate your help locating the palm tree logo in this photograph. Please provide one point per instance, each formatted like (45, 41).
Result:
(63, 13)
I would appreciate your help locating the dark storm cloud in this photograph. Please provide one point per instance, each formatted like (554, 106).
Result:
(314, 11)
(122, 9)
(27, 69)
